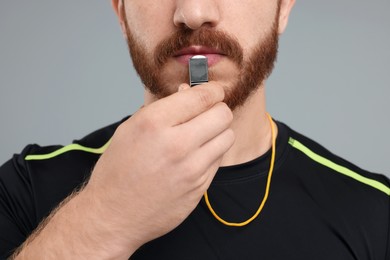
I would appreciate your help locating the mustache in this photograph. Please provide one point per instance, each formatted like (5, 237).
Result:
(212, 38)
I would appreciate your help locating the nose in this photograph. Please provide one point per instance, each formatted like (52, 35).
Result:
(196, 13)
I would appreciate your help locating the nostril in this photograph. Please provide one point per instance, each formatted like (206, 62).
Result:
(194, 14)
(178, 19)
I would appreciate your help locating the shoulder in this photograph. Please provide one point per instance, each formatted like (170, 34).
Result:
(326, 162)
(35, 181)
(42, 176)
(344, 192)
(341, 191)
(351, 201)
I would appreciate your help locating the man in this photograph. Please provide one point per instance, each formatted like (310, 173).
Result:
(197, 173)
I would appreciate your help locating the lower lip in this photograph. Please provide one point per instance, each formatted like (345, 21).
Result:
(212, 59)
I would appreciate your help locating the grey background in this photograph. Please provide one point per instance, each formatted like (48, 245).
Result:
(65, 71)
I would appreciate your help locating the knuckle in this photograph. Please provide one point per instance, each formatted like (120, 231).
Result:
(122, 130)
(228, 138)
(218, 90)
(147, 123)
(202, 180)
(195, 176)
(197, 169)
(176, 150)
(231, 134)
(205, 97)
(226, 113)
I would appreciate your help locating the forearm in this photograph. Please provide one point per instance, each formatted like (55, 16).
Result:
(77, 229)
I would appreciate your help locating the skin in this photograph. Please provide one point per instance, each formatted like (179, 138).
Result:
(257, 20)
(138, 194)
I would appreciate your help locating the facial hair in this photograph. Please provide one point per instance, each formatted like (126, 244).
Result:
(252, 72)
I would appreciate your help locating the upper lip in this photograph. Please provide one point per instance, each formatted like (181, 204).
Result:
(197, 50)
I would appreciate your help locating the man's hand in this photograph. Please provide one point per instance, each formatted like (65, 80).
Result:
(160, 162)
(151, 177)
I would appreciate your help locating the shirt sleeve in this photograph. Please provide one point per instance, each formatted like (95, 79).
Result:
(388, 231)
(17, 216)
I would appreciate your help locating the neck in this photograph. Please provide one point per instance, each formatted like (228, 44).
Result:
(251, 126)
(252, 131)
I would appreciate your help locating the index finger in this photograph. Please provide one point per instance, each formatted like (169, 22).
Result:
(184, 105)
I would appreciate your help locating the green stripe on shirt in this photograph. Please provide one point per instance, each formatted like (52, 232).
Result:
(65, 149)
(338, 168)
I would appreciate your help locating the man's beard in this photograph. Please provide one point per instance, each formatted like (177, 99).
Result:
(252, 72)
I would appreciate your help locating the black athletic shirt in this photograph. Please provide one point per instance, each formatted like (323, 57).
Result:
(319, 207)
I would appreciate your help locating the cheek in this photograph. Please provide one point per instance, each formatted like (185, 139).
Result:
(149, 23)
(250, 20)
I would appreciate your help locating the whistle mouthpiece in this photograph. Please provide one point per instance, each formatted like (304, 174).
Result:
(198, 69)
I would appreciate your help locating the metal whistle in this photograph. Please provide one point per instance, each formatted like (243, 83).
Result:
(198, 70)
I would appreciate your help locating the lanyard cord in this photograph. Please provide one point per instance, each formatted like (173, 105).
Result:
(271, 168)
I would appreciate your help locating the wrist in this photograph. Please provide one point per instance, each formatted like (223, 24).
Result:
(104, 225)
(77, 230)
